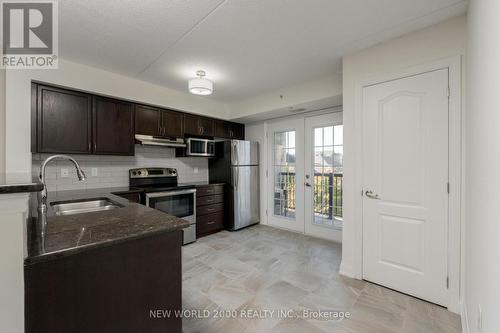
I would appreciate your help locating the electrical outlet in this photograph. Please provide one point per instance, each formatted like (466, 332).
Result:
(95, 172)
(64, 172)
(479, 319)
(195, 170)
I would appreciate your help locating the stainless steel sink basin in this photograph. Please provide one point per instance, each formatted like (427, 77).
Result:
(83, 206)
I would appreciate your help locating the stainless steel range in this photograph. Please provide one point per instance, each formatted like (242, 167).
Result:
(162, 192)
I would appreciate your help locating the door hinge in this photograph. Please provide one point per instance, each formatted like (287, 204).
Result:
(266, 212)
(449, 92)
(448, 187)
(266, 173)
(447, 282)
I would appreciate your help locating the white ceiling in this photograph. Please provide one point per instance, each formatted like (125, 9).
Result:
(248, 47)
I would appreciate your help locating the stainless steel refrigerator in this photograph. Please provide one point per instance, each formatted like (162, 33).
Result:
(237, 164)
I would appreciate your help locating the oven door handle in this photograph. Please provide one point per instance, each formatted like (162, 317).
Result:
(169, 193)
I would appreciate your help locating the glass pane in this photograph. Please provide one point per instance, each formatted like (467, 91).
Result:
(291, 139)
(318, 137)
(339, 157)
(328, 136)
(284, 174)
(327, 188)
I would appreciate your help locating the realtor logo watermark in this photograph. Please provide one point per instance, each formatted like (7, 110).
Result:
(29, 34)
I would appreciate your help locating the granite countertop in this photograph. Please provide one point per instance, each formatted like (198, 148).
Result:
(18, 183)
(66, 235)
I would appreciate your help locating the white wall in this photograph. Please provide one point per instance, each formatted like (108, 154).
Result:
(482, 251)
(326, 87)
(440, 41)
(257, 132)
(18, 157)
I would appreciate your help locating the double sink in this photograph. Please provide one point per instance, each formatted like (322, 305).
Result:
(72, 207)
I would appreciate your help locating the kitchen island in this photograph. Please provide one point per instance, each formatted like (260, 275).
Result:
(104, 271)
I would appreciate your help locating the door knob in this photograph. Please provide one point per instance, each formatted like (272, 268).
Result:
(371, 195)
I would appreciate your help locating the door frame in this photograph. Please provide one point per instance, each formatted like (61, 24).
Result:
(455, 160)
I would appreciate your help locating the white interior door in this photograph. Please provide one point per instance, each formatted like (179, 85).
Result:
(405, 171)
(286, 174)
(323, 176)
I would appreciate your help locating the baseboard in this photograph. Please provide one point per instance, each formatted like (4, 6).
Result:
(346, 270)
(464, 318)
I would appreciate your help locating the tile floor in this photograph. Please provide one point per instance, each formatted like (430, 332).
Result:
(229, 274)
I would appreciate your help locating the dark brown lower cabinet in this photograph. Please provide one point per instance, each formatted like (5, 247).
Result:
(209, 209)
(108, 289)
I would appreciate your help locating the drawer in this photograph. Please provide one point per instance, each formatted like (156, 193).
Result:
(209, 209)
(209, 223)
(202, 191)
(209, 200)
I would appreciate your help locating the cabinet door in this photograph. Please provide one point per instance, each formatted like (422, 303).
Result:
(63, 121)
(191, 125)
(113, 127)
(221, 129)
(207, 126)
(237, 131)
(172, 124)
(229, 130)
(147, 120)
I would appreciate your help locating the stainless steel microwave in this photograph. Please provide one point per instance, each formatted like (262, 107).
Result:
(200, 147)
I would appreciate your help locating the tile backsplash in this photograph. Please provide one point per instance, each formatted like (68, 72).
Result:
(112, 171)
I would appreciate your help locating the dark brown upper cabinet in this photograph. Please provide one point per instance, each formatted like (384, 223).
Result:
(229, 130)
(63, 120)
(158, 122)
(113, 126)
(198, 126)
(147, 120)
(172, 123)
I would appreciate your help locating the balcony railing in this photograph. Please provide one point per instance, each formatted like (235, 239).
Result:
(327, 193)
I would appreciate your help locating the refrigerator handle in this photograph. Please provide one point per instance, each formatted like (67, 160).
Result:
(234, 152)
(236, 174)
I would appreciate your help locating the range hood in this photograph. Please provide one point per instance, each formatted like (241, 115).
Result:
(154, 141)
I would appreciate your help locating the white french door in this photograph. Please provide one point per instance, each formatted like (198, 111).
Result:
(305, 175)
(323, 176)
(405, 176)
(286, 174)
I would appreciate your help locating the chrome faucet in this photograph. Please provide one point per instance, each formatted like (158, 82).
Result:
(42, 195)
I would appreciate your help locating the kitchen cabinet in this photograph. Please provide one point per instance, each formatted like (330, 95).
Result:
(172, 123)
(209, 209)
(62, 120)
(74, 122)
(147, 120)
(107, 289)
(198, 126)
(229, 130)
(158, 122)
(113, 127)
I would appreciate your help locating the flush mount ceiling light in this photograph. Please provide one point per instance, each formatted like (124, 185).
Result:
(200, 85)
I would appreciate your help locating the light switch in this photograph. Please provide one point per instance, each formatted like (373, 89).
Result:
(195, 170)
(95, 172)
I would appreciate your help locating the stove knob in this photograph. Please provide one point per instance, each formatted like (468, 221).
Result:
(139, 173)
(134, 173)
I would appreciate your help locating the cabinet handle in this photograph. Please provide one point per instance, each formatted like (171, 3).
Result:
(90, 146)
(95, 146)
(211, 222)
(210, 209)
